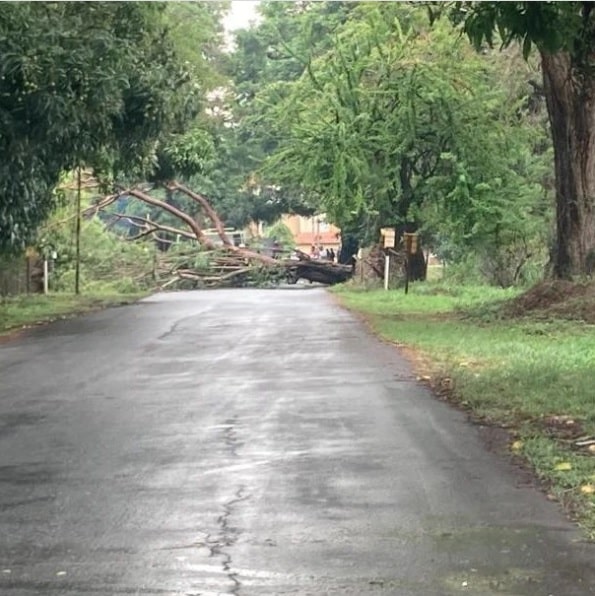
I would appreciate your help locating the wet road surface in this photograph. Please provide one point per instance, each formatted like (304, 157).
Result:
(254, 443)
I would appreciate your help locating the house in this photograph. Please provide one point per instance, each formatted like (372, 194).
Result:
(312, 231)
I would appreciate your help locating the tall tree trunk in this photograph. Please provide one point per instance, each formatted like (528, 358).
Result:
(417, 261)
(570, 100)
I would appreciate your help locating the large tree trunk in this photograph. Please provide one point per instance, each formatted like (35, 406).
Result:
(570, 100)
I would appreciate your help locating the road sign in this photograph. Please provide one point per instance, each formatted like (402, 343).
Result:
(389, 237)
(410, 243)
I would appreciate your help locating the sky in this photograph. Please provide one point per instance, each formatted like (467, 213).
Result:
(241, 13)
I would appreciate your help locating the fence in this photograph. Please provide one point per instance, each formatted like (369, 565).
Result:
(20, 275)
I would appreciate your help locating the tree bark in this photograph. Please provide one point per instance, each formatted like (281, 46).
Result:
(570, 98)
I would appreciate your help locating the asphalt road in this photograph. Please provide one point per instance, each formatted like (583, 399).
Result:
(255, 443)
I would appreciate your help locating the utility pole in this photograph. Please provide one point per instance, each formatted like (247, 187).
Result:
(77, 270)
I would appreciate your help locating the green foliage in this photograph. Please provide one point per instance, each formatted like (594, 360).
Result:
(281, 234)
(281, 46)
(196, 31)
(273, 52)
(396, 124)
(186, 154)
(551, 26)
(186, 148)
(108, 262)
(80, 83)
(564, 34)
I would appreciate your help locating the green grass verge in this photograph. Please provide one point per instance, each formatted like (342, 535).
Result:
(534, 376)
(21, 311)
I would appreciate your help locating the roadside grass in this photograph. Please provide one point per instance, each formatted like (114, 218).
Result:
(27, 310)
(533, 375)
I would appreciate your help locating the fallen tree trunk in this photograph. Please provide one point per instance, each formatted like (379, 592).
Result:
(320, 271)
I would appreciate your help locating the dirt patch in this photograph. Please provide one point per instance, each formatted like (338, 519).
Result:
(562, 428)
(6, 336)
(559, 299)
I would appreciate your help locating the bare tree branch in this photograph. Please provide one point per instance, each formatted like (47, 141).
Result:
(155, 226)
(187, 219)
(212, 215)
(206, 206)
(105, 202)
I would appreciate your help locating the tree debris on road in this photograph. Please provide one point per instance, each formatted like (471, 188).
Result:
(205, 262)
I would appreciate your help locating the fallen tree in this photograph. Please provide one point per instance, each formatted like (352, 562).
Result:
(204, 262)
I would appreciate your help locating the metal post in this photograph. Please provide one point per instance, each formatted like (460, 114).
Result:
(386, 270)
(407, 273)
(46, 271)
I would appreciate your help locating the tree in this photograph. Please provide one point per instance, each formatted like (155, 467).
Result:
(564, 34)
(80, 84)
(186, 147)
(399, 126)
(206, 258)
(277, 50)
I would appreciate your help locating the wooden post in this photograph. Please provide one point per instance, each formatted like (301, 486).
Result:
(28, 274)
(360, 263)
(386, 270)
(77, 262)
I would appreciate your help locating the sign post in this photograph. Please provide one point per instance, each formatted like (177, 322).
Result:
(360, 257)
(389, 242)
(46, 275)
(386, 270)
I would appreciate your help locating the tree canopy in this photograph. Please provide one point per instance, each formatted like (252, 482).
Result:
(563, 32)
(397, 124)
(80, 84)
(371, 112)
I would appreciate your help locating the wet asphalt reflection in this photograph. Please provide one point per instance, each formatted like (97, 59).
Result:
(255, 443)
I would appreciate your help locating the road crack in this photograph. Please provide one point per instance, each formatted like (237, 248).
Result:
(229, 536)
(231, 437)
(219, 544)
(173, 328)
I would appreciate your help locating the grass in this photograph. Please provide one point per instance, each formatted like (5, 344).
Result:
(529, 374)
(22, 311)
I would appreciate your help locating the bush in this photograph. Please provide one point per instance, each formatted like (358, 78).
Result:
(106, 261)
(503, 268)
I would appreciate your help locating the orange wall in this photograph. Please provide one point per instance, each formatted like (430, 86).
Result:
(312, 230)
